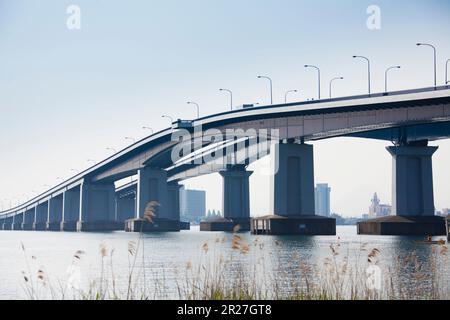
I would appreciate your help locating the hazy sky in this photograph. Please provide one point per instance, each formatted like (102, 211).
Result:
(67, 95)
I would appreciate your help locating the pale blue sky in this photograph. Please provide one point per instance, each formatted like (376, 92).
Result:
(67, 95)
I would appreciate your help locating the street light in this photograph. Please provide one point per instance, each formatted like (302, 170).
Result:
(435, 59)
(148, 128)
(286, 94)
(111, 149)
(318, 70)
(168, 117)
(130, 138)
(368, 68)
(271, 87)
(231, 96)
(446, 72)
(198, 107)
(331, 83)
(386, 77)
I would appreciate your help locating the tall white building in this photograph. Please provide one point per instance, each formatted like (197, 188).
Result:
(322, 199)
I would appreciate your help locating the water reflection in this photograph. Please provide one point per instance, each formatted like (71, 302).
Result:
(278, 264)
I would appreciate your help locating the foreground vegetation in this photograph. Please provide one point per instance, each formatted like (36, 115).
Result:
(361, 274)
(214, 276)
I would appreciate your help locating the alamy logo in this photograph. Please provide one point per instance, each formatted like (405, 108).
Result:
(225, 147)
(74, 20)
(374, 19)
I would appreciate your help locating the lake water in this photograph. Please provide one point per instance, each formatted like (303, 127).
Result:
(165, 259)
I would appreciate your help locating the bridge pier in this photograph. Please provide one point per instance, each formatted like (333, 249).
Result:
(292, 202)
(18, 221)
(235, 201)
(126, 207)
(8, 223)
(413, 211)
(3, 223)
(40, 222)
(152, 186)
(173, 193)
(97, 208)
(55, 213)
(71, 209)
(28, 220)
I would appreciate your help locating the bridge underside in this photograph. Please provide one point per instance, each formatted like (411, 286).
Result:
(90, 198)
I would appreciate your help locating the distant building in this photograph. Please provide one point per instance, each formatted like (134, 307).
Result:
(192, 204)
(365, 216)
(377, 209)
(322, 199)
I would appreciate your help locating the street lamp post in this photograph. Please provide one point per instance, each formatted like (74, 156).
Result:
(130, 138)
(271, 87)
(318, 72)
(286, 94)
(198, 107)
(446, 72)
(386, 77)
(368, 69)
(331, 83)
(168, 117)
(231, 96)
(435, 59)
(147, 128)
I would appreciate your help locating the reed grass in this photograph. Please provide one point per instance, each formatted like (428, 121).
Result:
(214, 276)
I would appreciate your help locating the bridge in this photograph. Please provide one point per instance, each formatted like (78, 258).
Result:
(92, 201)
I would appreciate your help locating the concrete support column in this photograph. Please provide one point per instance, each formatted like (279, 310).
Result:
(97, 207)
(412, 196)
(152, 186)
(292, 182)
(18, 221)
(41, 217)
(28, 220)
(412, 181)
(8, 223)
(71, 209)
(126, 207)
(235, 197)
(173, 191)
(55, 213)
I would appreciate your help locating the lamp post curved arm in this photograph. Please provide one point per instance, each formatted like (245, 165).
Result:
(368, 70)
(168, 117)
(435, 59)
(286, 94)
(231, 96)
(386, 76)
(271, 87)
(318, 71)
(331, 84)
(197, 106)
(148, 128)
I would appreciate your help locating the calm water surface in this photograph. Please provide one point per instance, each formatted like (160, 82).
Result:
(166, 255)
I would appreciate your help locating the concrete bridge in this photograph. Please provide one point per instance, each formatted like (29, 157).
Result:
(410, 119)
